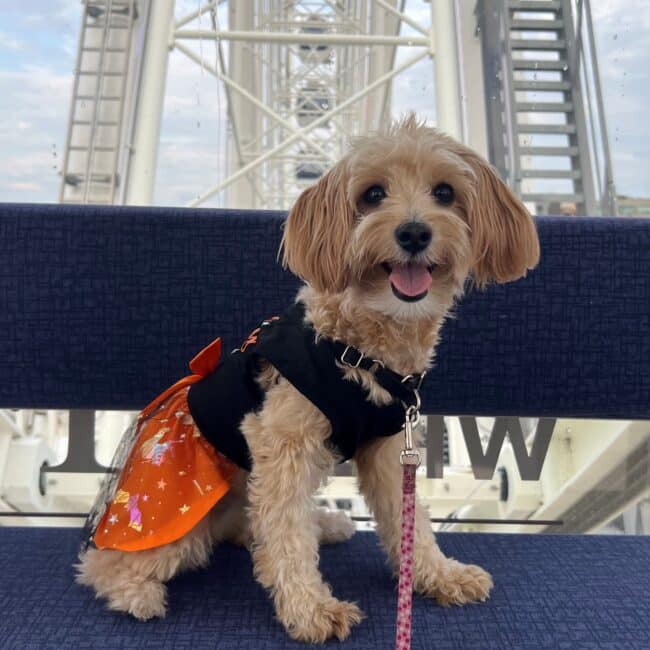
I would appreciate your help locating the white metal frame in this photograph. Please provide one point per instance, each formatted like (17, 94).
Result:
(273, 142)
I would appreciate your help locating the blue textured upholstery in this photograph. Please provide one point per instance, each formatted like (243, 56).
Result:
(102, 307)
(551, 592)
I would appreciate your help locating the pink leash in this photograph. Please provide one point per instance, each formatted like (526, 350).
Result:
(410, 459)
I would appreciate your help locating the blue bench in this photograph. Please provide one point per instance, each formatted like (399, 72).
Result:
(101, 308)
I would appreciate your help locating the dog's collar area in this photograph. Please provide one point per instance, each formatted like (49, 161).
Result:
(402, 387)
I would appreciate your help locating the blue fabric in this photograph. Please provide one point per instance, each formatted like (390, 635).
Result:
(102, 307)
(551, 592)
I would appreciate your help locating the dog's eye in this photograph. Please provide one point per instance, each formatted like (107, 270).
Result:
(443, 193)
(374, 195)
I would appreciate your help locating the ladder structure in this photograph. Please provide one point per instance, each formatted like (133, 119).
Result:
(545, 136)
(96, 138)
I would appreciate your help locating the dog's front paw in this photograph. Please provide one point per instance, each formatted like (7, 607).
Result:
(458, 584)
(315, 622)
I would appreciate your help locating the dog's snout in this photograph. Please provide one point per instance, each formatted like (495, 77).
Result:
(413, 236)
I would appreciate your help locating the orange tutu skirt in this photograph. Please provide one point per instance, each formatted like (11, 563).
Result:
(171, 478)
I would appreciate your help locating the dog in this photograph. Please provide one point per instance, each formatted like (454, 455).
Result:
(386, 242)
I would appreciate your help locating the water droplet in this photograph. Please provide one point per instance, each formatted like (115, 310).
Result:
(198, 125)
(565, 67)
(615, 37)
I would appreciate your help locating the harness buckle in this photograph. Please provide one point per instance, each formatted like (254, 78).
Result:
(350, 363)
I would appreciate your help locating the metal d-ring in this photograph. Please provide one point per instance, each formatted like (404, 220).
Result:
(420, 380)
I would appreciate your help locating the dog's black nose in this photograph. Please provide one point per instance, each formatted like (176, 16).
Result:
(413, 236)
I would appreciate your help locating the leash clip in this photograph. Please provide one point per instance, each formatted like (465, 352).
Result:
(410, 455)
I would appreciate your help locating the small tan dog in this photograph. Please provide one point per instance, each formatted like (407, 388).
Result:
(385, 243)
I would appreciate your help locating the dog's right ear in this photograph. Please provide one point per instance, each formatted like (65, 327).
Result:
(316, 233)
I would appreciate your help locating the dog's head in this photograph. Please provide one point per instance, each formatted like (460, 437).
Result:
(404, 219)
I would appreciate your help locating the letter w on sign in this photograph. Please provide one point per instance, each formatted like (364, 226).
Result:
(484, 464)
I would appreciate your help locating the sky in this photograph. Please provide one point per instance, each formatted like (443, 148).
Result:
(38, 43)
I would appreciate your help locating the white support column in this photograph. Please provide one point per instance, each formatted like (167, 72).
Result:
(448, 108)
(244, 67)
(472, 86)
(149, 108)
(381, 59)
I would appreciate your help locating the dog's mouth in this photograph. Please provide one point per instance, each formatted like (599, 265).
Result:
(410, 282)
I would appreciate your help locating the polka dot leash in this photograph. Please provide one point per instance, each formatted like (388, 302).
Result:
(410, 459)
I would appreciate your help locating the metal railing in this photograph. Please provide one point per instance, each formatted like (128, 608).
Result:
(586, 72)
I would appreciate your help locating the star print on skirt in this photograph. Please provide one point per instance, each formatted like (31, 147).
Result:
(171, 479)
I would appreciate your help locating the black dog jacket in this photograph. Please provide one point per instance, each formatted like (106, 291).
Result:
(219, 402)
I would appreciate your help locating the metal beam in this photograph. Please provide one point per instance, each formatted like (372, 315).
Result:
(204, 9)
(404, 18)
(301, 132)
(608, 198)
(303, 39)
(251, 98)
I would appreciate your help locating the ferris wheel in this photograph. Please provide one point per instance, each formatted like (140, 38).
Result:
(300, 78)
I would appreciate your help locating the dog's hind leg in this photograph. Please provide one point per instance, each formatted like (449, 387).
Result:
(334, 525)
(229, 518)
(133, 581)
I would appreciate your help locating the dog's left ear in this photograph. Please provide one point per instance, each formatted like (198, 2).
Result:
(317, 232)
(504, 237)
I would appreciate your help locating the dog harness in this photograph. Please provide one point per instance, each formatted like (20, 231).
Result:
(219, 402)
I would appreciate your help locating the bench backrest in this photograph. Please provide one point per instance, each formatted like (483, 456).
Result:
(102, 308)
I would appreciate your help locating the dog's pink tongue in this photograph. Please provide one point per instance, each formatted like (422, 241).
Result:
(410, 279)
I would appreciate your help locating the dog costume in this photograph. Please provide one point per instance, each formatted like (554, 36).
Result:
(185, 447)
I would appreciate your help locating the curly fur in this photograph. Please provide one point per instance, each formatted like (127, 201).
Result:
(338, 245)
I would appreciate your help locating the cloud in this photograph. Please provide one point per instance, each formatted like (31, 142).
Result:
(623, 52)
(25, 186)
(34, 104)
(9, 42)
(36, 83)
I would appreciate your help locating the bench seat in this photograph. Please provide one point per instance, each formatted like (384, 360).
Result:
(102, 307)
(551, 591)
